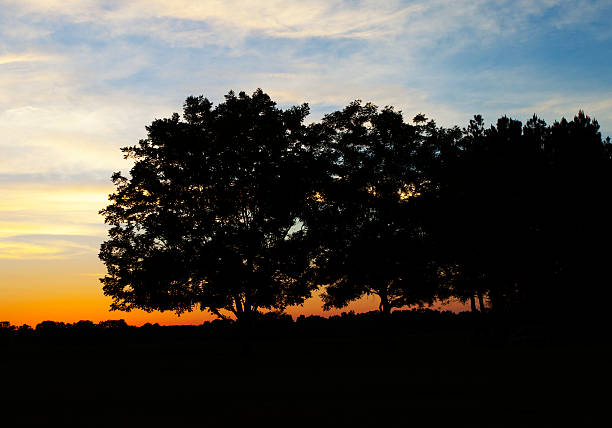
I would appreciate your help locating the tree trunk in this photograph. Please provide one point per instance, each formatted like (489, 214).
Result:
(246, 316)
(238, 305)
(385, 305)
(481, 302)
(246, 313)
(473, 303)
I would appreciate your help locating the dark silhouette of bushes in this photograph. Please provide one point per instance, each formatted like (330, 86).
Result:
(423, 323)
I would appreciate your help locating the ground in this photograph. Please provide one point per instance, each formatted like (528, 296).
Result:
(309, 381)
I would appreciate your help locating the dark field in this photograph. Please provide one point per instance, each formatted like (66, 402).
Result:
(333, 379)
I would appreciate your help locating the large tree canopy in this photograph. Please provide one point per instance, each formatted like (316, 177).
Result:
(208, 216)
(364, 214)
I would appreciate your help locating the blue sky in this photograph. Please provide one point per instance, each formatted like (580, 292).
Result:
(80, 79)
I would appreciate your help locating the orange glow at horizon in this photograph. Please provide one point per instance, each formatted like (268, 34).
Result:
(49, 240)
(74, 304)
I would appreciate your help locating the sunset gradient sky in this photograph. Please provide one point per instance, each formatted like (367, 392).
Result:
(81, 78)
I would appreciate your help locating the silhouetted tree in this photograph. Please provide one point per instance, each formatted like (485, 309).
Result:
(209, 214)
(363, 213)
(487, 215)
(112, 324)
(50, 325)
(577, 228)
(84, 325)
(24, 328)
(523, 212)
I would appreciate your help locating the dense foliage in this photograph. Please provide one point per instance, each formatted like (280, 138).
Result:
(242, 207)
(365, 218)
(207, 215)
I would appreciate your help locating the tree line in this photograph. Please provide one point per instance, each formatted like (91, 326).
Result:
(243, 208)
(482, 328)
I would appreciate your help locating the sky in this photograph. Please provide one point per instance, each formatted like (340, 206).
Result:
(79, 79)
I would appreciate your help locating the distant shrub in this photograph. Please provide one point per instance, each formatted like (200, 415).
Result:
(84, 324)
(50, 325)
(113, 324)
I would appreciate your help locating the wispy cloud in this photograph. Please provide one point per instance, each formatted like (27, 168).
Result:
(41, 220)
(91, 74)
(357, 42)
(21, 250)
(44, 247)
(48, 221)
(229, 21)
(22, 58)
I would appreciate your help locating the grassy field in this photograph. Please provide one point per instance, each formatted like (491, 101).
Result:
(356, 380)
